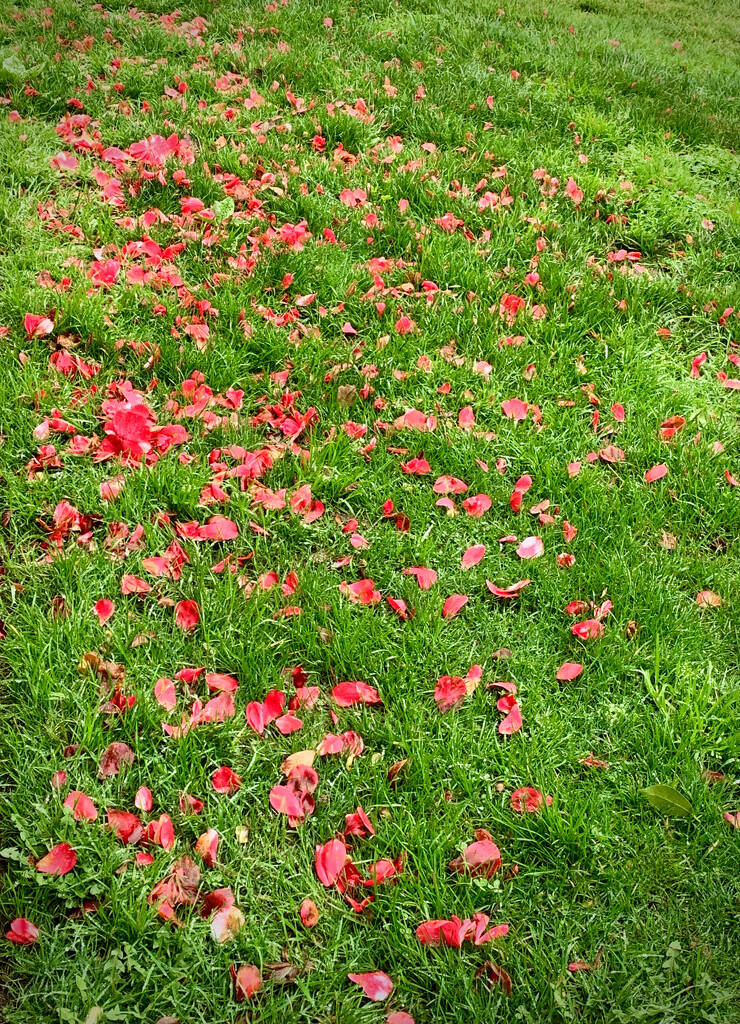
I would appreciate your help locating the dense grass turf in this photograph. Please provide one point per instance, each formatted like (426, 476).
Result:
(426, 108)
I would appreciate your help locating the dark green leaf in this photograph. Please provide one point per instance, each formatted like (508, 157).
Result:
(668, 801)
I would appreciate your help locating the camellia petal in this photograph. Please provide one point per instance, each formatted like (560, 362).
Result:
(187, 615)
(60, 860)
(82, 807)
(569, 670)
(104, 609)
(309, 913)
(424, 577)
(247, 981)
(347, 694)
(330, 860)
(453, 604)
(506, 593)
(22, 932)
(531, 547)
(473, 556)
(375, 984)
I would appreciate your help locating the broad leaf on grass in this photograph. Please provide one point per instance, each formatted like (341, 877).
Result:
(668, 801)
(14, 66)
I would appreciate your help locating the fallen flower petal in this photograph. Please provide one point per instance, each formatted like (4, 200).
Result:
(60, 860)
(507, 592)
(473, 556)
(569, 670)
(347, 694)
(226, 781)
(226, 924)
(482, 858)
(22, 932)
(375, 984)
(207, 847)
(589, 629)
(453, 604)
(247, 981)
(424, 577)
(309, 913)
(329, 861)
(528, 799)
(449, 692)
(104, 610)
(531, 547)
(513, 721)
(113, 758)
(82, 807)
(656, 473)
(143, 799)
(285, 800)
(187, 615)
(477, 506)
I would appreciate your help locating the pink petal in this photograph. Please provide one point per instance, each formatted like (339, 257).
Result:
(531, 547)
(569, 670)
(58, 861)
(473, 556)
(453, 604)
(513, 721)
(376, 985)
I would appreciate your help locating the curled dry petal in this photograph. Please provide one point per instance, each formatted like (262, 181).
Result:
(309, 913)
(113, 758)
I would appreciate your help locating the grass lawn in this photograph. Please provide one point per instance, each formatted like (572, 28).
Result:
(296, 298)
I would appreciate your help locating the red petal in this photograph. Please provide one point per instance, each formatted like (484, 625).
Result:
(376, 985)
(569, 670)
(453, 604)
(531, 547)
(104, 609)
(473, 556)
(59, 860)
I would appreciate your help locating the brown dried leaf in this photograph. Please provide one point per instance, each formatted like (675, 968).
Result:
(395, 770)
(346, 394)
(501, 654)
(495, 975)
(113, 758)
(282, 973)
(305, 757)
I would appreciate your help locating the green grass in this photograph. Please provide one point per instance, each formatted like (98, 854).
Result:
(658, 698)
